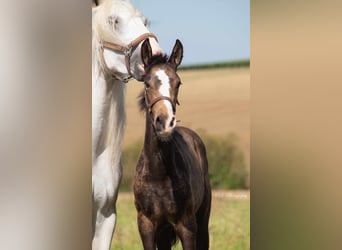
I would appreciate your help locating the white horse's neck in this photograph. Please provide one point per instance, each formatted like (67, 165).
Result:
(109, 114)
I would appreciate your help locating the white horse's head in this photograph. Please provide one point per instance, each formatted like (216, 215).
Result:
(118, 22)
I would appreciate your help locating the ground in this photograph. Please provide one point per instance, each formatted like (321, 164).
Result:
(229, 224)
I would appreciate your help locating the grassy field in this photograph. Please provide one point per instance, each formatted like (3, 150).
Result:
(215, 100)
(229, 224)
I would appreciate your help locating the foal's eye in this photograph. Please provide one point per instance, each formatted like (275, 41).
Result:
(179, 84)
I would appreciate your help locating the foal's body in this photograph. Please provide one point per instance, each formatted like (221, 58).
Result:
(172, 190)
(171, 187)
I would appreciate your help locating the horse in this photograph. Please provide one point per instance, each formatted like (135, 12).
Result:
(118, 29)
(171, 186)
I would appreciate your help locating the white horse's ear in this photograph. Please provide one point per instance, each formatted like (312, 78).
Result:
(97, 2)
(177, 54)
(146, 52)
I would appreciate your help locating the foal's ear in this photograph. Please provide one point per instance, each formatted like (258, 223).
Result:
(177, 54)
(146, 52)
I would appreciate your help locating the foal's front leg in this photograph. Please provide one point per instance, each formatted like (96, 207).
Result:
(147, 232)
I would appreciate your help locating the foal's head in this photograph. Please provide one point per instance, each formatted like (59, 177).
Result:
(159, 98)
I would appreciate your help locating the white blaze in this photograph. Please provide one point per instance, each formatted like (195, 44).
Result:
(164, 90)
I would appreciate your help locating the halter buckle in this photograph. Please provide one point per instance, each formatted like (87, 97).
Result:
(128, 50)
(126, 79)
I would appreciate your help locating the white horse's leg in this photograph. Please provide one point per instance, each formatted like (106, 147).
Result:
(105, 224)
(106, 180)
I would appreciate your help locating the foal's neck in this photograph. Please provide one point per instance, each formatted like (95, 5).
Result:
(159, 154)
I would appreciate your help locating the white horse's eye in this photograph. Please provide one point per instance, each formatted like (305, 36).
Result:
(113, 21)
(147, 22)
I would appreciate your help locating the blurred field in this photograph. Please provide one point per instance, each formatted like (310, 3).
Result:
(216, 100)
(229, 224)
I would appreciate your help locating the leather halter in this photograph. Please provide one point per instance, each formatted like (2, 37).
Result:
(160, 98)
(127, 51)
(157, 99)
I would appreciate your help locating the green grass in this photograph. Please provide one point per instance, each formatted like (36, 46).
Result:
(229, 225)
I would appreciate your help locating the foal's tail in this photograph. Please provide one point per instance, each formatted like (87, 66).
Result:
(167, 237)
(173, 237)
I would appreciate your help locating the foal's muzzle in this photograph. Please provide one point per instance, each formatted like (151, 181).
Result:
(163, 123)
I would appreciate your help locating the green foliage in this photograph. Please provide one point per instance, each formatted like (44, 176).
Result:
(227, 168)
(232, 64)
(130, 160)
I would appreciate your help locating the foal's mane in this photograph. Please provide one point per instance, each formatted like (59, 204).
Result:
(155, 60)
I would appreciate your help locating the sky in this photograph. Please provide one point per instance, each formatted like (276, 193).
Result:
(210, 31)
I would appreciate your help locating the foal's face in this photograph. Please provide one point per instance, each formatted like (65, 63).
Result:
(162, 81)
(161, 89)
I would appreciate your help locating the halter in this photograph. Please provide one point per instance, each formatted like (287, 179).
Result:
(127, 51)
(157, 99)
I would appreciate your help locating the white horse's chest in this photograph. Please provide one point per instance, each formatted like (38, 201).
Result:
(100, 108)
(108, 115)
(105, 179)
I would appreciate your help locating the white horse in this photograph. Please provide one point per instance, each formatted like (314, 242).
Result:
(118, 31)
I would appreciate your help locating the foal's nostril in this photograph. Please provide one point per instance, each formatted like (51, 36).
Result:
(172, 122)
(159, 122)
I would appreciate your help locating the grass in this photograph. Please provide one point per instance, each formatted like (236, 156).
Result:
(229, 225)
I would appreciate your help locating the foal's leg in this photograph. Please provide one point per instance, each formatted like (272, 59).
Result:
(202, 238)
(186, 230)
(202, 216)
(147, 232)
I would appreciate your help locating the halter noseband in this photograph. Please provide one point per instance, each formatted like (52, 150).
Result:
(160, 98)
(157, 99)
(127, 51)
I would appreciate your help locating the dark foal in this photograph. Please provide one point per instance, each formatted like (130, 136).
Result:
(171, 187)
